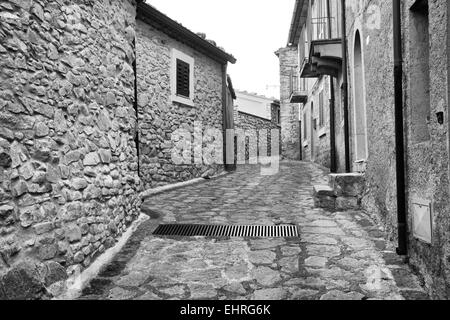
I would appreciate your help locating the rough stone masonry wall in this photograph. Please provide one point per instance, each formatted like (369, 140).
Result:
(289, 112)
(427, 162)
(159, 117)
(68, 165)
(254, 123)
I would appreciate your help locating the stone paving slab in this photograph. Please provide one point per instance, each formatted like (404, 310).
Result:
(339, 256)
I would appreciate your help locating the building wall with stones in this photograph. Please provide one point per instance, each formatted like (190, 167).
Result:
(68, 162)
(290, 131)
(426, 137)
(159, 118)
(253, 127)
(316, 144)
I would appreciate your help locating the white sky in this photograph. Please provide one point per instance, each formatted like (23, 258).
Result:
(250, 30)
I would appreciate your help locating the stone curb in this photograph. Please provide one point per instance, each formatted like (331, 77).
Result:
(152, 192)
(76, 283)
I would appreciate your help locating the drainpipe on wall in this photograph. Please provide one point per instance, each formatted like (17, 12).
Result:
(333, 167)
(224, 116)
(399, 139)
(345, 89)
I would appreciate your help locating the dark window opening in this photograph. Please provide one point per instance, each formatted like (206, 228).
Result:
(420, 72)
(183, 80)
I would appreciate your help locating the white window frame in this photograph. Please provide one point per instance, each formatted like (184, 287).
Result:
(176, 54)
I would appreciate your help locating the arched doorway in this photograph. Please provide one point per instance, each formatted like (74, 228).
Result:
(359, 101)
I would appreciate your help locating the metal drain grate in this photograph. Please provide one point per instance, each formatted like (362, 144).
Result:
(197, 230)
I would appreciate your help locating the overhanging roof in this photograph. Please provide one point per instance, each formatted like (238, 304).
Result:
(160, 21)
(298, 20)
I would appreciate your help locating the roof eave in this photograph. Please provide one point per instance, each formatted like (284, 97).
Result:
(298, 19)
(159, 20)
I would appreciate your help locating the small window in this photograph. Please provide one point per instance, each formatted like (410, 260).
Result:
(182, 78)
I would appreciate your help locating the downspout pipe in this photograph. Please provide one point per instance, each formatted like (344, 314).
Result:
(345, 88)
(399, 138)
(224, 114)
(333, 167)
(227, 124)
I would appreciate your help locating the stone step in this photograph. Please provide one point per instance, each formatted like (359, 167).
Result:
(322, 190)
(324, 197)
(347, 184)
(327, 198)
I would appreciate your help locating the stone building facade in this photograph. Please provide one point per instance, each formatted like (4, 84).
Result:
(315, 122)
(372, 143)
(73, 122)
(160, 116)
(289, 112)
(425, 83)
(254, 129)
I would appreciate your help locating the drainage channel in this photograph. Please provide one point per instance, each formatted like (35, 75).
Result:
(203, 230)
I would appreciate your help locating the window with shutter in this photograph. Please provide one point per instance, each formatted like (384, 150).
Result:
(182, 78)
(183, 81)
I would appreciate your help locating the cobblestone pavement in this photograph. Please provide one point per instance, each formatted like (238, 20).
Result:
(339, 255)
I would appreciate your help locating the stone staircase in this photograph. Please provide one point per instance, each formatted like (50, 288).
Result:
(343, 192)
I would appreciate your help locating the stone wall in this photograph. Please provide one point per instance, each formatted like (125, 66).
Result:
(290, 131)
(252, 123)
(68, 164)
(159, 118)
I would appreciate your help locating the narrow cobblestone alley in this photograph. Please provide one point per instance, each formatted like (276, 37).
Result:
(340, 255)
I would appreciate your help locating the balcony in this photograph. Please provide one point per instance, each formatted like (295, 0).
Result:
(299, 91)
(325, 58)
(307, 69)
